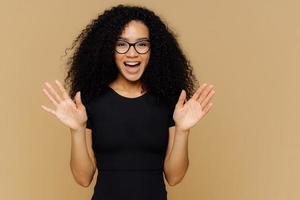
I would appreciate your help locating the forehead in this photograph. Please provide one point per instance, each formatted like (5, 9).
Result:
(135, 30)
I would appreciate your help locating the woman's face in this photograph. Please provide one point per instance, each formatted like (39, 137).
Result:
(132, 64)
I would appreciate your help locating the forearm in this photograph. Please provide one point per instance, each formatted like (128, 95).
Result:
(81, 165)
(177, 163)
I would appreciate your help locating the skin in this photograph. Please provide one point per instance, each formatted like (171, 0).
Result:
(128, 84)
(72, 113)
(186, 115)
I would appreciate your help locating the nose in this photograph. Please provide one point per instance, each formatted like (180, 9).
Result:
(132, 52)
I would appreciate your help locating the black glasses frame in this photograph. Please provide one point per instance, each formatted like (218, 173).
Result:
(133, 44)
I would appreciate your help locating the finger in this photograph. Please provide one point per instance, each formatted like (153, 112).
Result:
(48, 110)
(208, 98)
(78, 99)
(204, 93)
(50, 97)
(56, 96)
(62, 89)
(207, 109)
(181, 98)
(199, 90)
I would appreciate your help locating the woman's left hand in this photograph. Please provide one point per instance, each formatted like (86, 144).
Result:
(188, 113)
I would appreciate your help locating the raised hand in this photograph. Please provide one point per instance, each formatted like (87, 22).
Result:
(188, 113)
(69, 112)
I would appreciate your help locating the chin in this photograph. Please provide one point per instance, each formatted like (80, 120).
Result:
(132, 77)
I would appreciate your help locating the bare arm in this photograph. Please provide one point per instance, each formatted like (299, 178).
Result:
(186, 114)
(82, 162)
(72, 113)
(176, 161)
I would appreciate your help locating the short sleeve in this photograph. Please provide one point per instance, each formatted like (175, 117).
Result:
(89, 123)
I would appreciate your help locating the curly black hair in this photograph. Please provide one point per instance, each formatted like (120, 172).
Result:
(92, 66)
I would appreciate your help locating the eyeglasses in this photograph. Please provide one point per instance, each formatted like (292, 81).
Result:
(141, 47)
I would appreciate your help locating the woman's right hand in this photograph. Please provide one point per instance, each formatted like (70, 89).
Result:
(71, 113)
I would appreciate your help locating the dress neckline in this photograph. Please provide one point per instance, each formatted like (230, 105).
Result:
(128, 98)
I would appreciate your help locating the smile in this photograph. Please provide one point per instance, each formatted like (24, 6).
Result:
(132, 67)
(132, 64)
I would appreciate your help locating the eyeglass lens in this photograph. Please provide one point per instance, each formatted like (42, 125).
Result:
(140, 46)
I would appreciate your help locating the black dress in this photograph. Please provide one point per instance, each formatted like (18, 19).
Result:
(130, 138)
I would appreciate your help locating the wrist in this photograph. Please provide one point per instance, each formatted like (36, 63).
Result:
(181, 130)
(79, 129)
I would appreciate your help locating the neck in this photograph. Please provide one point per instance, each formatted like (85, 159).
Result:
(130, 87)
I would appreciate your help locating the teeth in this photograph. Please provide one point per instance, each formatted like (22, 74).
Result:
(132, 63)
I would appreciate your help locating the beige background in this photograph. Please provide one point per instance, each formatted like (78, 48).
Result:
(247, 148)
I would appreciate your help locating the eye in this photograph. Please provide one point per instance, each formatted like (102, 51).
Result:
(121, 44)
(144, 43)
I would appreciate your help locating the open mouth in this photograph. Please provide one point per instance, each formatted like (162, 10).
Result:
(132, 64)
(132, 67)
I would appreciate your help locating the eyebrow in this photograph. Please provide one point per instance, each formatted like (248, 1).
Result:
(143, 38)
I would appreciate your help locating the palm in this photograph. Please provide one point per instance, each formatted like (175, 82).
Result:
(188, 114)
(69, 113)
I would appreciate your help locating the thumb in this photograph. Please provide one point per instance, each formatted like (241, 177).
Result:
(78, 99)
(181, 98)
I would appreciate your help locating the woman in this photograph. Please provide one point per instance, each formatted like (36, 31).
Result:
(130, 117)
